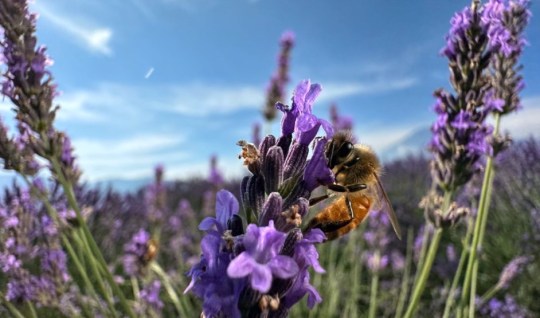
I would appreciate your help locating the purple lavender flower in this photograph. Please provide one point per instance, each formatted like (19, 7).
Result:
(54, 262)
(307, 125)
(300, 288)
(261, 261)
(226, 207)
(264, 269)
(299, 117)
(28, 84)
(340, 123)
(32, 262)
(135, 252)
(512, 270)
(506, 22)
(215, 177)
(257, 134)
(460, 132)
(209, 279)
(376, 262)
(504, 308)
(317, 171)
(150, 295)
(278, 81)
(155, 197)
(67, 159)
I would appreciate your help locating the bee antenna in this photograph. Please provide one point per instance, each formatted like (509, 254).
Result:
(332, 145)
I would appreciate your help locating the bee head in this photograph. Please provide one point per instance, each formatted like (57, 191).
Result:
(339, 149)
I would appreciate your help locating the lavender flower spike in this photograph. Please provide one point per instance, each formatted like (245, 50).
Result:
(512, 270)
(276, 88)
(263, 271)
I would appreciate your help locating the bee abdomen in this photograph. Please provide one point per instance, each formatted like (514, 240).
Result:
(335, 220)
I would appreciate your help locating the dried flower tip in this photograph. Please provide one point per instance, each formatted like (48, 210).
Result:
(450, 217)
(249, 153)
(151, 250)
(430, 201)
(269, 303)
(500, 143)
(251, 156)
(292, 216)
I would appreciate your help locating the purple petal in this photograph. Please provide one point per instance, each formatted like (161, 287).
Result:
(314, 236)
(300, 93)
(226, 206)
(207, 223)
(241, 266)
(283, 266)
(327, 128)
(312, 94)
(210, 247)
(261, 278)
(282, 107)
(251, 237)
(313, 296)
(307, 126)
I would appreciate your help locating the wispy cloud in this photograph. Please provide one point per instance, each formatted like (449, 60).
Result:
(126, 158)
(194, 99)
(334, 90)
(382, 137)
(96, 39)
(525, 122)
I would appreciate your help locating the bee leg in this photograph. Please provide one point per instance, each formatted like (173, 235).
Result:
(316, 200)
(356, 187)
(349, 188)
(349, 206)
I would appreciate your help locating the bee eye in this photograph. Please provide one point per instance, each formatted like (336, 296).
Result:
(345, 150)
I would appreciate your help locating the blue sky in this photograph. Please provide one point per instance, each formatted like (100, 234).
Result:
(175, 81)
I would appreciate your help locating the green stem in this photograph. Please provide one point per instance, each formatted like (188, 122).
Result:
(464, 254)
(31, 309)
(406, 275)
(87, 283)
(423, 251)
(135, 288)
(12, 309)
(374, 290)
(168, 287)
(420, 280)
(489, 294)
(94, 249)
(479, 230)
(424, 274)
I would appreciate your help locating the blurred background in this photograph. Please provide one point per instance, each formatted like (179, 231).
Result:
(173, 82)
(155, 94)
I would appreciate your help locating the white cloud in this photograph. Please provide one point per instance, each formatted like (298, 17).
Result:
(201, 100)
(126, 158)
(193, 99)
(96, 39)
(382, 137)
(525, 122)
(334, 90)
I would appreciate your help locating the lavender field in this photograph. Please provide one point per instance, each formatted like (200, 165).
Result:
(304, 222)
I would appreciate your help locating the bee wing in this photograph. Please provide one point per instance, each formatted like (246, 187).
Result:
(387, 206)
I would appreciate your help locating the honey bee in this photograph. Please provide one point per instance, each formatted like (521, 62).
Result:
(357, 173)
